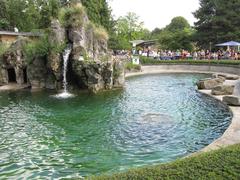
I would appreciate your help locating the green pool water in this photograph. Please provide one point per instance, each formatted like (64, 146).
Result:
(154, 119)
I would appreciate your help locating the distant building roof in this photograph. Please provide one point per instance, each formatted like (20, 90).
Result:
(143, 42)
(11, 33)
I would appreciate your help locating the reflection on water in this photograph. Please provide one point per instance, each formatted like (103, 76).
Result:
(155, 119)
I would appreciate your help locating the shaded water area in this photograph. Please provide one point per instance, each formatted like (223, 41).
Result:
(155, 119)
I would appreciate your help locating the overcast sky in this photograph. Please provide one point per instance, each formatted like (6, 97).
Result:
(156, 13)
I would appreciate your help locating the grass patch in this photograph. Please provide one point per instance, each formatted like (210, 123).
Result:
(132, 67)
(104, 58)
(100, 33)
(151, 61)
(220, 164)
(3, 47)
(72, 16)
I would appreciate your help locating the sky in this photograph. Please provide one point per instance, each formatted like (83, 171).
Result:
(156, 13)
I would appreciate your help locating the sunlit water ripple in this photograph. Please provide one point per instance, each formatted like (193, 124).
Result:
(155, 119)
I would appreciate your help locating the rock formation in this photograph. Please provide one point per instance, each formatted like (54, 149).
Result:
(91, 66)
(13, 63)
(57, 38)
(228, 89)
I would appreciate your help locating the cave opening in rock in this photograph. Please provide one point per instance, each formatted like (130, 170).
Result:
(11, 75)
(25, 78)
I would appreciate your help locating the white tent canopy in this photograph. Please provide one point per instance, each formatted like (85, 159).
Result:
(229, 43)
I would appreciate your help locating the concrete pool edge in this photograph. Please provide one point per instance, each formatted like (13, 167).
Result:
(232, 134)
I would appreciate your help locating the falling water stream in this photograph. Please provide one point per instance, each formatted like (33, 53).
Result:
(66, 54)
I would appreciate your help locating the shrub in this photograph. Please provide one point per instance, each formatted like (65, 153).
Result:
(36, 48)
(41, 47)
(130, 66)
(151, 61)
(220, 164)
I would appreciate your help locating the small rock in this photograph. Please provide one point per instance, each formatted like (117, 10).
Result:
(223, 90)
(232, 100)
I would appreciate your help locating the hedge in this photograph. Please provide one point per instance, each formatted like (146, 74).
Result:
(219, 164)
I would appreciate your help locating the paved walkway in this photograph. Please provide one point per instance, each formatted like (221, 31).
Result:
(13, 86)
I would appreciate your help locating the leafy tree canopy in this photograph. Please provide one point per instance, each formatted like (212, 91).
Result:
(37, 14)
(218, 21)
(27, 15)
(178, 24)
(176, 35)
(128, 28)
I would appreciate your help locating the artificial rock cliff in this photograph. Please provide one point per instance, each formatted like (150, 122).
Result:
(91, 66)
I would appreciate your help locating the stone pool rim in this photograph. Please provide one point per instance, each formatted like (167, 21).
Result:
(231, 135)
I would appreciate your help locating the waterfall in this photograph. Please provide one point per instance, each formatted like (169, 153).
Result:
(66, 54)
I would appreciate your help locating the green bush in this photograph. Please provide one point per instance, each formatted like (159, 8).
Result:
(151, 61)
(130, 66)
(41, 48)
(220, 164)
(37, 48)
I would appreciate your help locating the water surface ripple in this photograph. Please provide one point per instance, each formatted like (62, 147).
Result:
(155, 119)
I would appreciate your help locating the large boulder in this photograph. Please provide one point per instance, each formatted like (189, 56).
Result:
(98, 76)
(223, 90)
(118, 74)
(57, 38)
(232, 100)
(210, 83)
(37, 73)
(89, 75)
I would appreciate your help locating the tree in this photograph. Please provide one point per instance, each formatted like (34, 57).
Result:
(176, 35)
(218, 21)
(128, 28)
(49, 9)
(178, 24)
(27, 15)
(99, 12)
(4, 23)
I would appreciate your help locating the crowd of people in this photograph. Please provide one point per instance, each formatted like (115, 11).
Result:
(230, 54)
(196, 55)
